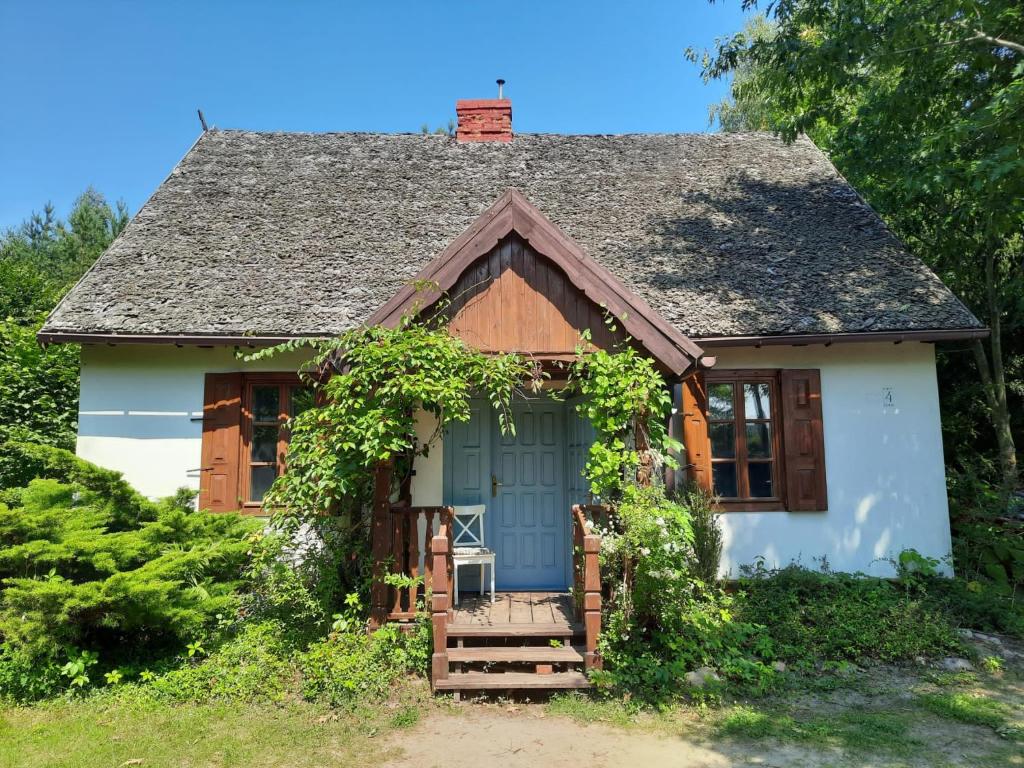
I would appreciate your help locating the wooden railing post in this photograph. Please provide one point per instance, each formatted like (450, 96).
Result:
(577, 561)
(380, 542)
(591, 599)
(449, 528)
(440, 603)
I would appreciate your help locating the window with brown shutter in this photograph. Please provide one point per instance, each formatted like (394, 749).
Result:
(222, 419)
(244, 440)
(695, 431)
(755, 438)
(804, 441)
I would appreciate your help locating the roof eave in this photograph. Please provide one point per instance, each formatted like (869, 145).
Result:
(180, 339)
(805, 339)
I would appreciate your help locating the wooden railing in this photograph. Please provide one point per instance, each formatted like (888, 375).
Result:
(441, 598)
(587, 574)
(405, 554)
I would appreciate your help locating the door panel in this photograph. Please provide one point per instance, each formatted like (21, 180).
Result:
(467, 460)
(580, 434)
(531, 517)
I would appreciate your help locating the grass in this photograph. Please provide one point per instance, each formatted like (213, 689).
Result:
(967, 708)
(853, 730)
(587, 709)
(104, 733)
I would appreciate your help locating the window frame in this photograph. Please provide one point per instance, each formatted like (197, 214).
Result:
(738, 377)
(285, 383)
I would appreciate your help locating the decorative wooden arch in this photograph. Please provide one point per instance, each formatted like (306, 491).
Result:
(513, 213)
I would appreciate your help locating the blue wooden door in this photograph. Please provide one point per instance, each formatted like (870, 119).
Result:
(579, 437)
(467, 458)
(528, 512)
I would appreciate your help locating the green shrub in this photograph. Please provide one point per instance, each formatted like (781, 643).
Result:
(87, 562)
(707, 535)
(26, 677)
(834, 616)
(347, 667)
(980, 604)
(254, 665)
(303, 593)
(660, 622)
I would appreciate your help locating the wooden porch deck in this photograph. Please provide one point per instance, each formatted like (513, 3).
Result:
(535, 640)
(547, 608)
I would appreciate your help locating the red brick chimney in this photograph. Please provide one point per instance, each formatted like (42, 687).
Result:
(484, 119)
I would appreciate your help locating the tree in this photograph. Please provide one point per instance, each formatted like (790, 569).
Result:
(746, 109)
(39, 261)
(920, 104)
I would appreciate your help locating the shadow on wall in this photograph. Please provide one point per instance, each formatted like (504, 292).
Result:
(767, 256)
(886, 483)
(141, 425)
(858, 534)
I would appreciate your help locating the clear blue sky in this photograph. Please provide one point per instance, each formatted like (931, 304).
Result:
(105, 93)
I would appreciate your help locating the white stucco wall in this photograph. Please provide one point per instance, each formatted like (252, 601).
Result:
(884, 464)
(428, 483)
(137, 407)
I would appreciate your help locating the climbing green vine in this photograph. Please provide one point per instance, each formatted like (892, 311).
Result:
(369, 383)
(628, 404)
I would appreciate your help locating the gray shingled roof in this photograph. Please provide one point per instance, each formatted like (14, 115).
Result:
(292, 234)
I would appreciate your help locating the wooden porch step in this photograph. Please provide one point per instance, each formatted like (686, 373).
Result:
(565, 655)
(514, 630)
(483, 681)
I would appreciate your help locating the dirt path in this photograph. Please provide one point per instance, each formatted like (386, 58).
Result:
(480, 737)
(875, 718)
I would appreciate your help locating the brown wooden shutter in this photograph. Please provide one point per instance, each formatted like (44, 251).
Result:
(695, 431)
(803, 441)
(222, 422)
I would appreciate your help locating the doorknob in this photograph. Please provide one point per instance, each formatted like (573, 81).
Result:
(494, 486)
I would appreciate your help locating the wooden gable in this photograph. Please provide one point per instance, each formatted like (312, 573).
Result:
(519, 283)
(515, 300)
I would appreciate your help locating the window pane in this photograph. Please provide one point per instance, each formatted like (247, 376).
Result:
(720, 401)
(759, 440)
(264, 443)
(723, 440)
(302, 399)
(760, 476)
(266, 403)
(723, 479)
(756, 401)
(261, 480)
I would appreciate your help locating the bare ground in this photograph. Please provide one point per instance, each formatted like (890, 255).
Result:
(874, 716)
(528, 739)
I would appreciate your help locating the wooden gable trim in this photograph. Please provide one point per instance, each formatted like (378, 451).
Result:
(514, 213)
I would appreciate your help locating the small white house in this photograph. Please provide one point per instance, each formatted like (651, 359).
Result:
(797, 333)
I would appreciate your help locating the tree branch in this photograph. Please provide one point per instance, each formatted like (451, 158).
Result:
(979, 35)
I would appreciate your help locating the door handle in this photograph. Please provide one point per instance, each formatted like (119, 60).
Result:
(494, 486)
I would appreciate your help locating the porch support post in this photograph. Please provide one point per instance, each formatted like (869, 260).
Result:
(591, 599)
(440, 604)
(380, 542)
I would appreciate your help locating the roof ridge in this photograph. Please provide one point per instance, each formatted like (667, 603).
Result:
(555, 134)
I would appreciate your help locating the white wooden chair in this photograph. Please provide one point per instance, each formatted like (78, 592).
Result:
(468, 544)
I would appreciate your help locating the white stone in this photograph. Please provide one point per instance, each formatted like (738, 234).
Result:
(701, 676)
(954, 664)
